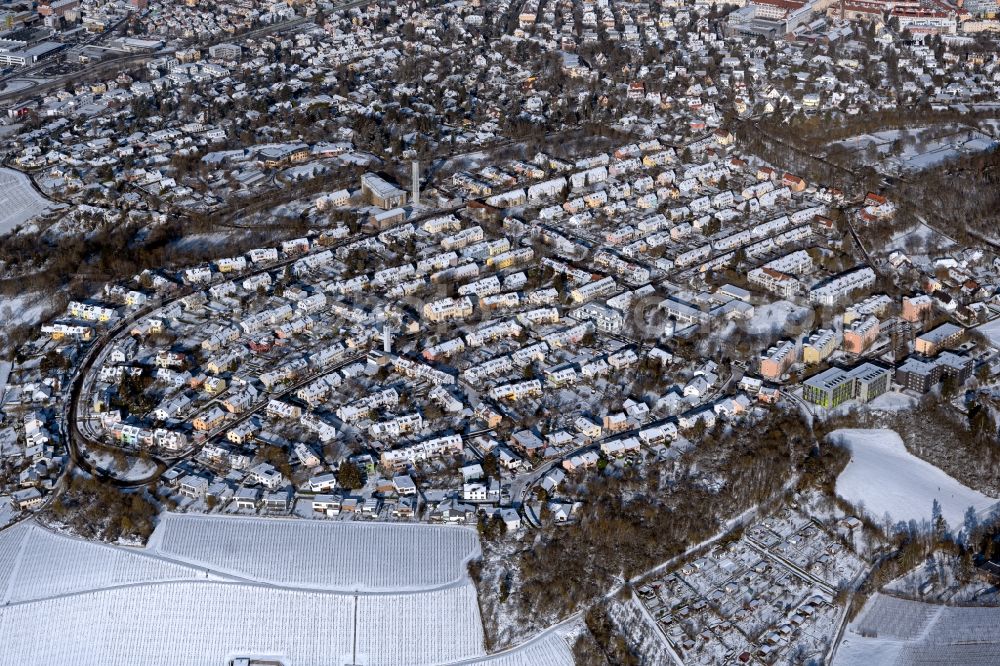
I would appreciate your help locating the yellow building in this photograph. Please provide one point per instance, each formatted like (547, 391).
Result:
(819, 346)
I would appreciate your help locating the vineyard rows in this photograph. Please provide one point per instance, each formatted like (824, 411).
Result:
(425, 628)
(889, 617)
(10, 545)
(345, 556)
(207, 622)
(548, 651)
(898, 632)
(52, 564)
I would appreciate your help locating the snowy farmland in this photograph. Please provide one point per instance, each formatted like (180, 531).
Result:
(367, 557)
(19, 202)
(885, 479)
(549, 649)
(207, 622)
(898, 632)
(37, 564)
(68, 601)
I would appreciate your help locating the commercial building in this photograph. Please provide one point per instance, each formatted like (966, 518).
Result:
(22, 57)
(836, 386)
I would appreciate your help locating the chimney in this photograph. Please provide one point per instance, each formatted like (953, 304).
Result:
(415, 182)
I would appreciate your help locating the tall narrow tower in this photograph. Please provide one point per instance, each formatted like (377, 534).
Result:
(387, 338)
(415, 182)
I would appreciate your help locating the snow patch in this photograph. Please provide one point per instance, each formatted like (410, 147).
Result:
(19, 202)
(885, 478)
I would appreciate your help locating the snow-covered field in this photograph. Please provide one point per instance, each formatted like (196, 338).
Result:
(68, 601)
(548, 650)
(886, 479)
(892, 401)
(26, 308)
(991, 330)
(211, 622)
(425, 628)
(774, 317)
(915, 156)
(344, 556)
(897, 632)
(19, 202)
(36, 563)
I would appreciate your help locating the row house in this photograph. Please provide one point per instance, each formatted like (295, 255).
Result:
(447, 309)
(491, 368)
(315, 392)
(282, 373)
(405, 457)
(570, 336)
(593, 290)
(283, 410)
(832, 291)
(263, 255)
(396, 427)
(351, 412)
(412, 369)
(510, 258)
(89, 312)
(444, 399)
(517, 390)
(323, 430)
(68, 331)
(496, 302)
(492, 332)
(539, 317)
(443, 349)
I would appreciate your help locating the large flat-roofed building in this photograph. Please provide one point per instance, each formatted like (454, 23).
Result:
(836, 386)
(682, 312)
(870, 381)
(225, 51)
(829, 388)
(921, 374)
(381, 192)
(918, 374)
(944, 336)
(29, 55)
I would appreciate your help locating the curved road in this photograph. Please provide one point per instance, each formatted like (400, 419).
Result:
(77, 440)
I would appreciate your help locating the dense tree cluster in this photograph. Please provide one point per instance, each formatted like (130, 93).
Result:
(98, 510)
(639, 516)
